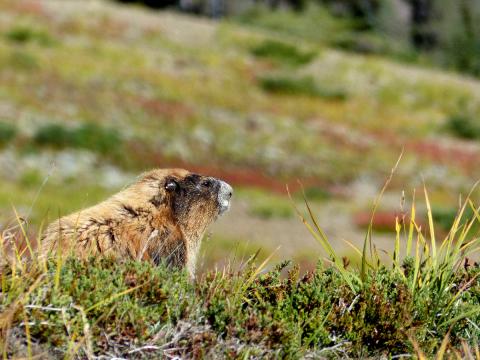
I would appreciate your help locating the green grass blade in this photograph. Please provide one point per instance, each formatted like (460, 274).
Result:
(416, 269)
(355, 248)
(114, 296)
(411, 227)
(259, 269)
(431, 228)
(474, 311)
(396, 253)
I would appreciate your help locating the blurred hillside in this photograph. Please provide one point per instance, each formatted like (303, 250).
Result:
(442, 33)
(92, 93)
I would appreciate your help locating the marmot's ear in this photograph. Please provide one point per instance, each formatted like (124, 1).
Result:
(171, 185)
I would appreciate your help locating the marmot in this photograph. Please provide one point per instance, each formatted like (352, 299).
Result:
(160, 217)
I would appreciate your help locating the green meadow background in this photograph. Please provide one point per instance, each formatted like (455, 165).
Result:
(323, 96)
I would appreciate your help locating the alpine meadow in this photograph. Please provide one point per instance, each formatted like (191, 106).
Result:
(330, 206)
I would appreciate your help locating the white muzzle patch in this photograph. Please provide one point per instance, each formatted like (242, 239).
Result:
(224, 195)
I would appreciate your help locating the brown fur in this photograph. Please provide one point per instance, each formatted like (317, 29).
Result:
(145, 221)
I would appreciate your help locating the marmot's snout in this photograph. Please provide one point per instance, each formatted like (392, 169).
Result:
(225, 193)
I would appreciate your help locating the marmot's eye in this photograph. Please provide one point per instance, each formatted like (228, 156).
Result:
(207, 183)
(171, 185)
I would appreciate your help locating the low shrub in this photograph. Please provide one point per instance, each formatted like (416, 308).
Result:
(299, 86)
(315, 23)
(283, 53)
(22, 34)
(375, 43)
(55, 135)
(97, 138)
(463, 126)
(463, 54)
(7, 133)
(86, 136)
(106, 307)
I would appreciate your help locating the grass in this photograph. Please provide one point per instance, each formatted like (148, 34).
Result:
(171, 97)
(219, 251)
(299, 86)
(23, 60)
(267, 206)
(45, 202)
(319, 26)
(283, 53)
(426, 304)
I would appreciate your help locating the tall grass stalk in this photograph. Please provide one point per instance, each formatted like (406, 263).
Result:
(434, 265)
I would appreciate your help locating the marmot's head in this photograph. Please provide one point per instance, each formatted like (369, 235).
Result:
(194, 201)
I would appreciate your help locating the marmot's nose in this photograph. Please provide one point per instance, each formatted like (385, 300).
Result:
(226, 189)
(225, 193)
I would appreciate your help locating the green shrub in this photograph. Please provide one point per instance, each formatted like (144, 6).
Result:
(464, 126)
(54, 135)
(315, 23)
(463, 54)
(299, 86)
(119, 306)
(7, 133)
(86, 136)
(96, 138)
(23, 34)
(23, 60)
(375, 43)
(283, 53)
